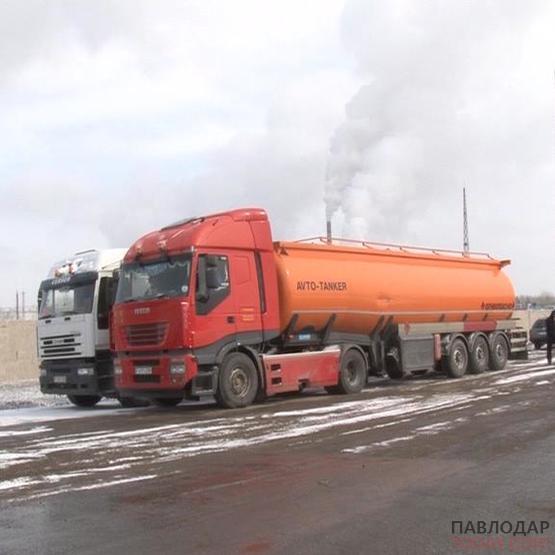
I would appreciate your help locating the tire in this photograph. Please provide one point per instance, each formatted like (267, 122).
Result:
(479, 356)
(455, 363)
(261, 396)
(84, 401)
(537, 346)
(352, 374)
(499, 353)
(131, 402)
(167, 402)
(393, 365)
(237, 382)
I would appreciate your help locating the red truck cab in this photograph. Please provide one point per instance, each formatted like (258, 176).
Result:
(190, 296)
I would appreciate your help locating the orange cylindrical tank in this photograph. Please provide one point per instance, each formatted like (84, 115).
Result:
(361, 283)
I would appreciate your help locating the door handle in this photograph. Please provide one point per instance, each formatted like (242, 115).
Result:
(231, 319)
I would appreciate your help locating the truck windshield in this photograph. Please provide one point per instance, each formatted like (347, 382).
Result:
(72, 299)
(168, 277)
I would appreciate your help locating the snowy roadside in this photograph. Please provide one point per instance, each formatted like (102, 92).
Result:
(27, 393)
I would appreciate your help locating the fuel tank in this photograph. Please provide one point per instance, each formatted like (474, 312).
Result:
(360, 283)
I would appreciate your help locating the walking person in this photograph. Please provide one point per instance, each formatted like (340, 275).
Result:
(550, 330)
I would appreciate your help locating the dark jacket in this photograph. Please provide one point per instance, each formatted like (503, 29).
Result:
(550, 326)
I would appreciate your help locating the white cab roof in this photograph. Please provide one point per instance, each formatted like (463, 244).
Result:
(91, 260)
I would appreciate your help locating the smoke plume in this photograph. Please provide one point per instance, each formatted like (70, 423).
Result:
(443, 103)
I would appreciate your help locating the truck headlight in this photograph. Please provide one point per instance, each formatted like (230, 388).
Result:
(177, 368)
(118, 370)
(85, 371)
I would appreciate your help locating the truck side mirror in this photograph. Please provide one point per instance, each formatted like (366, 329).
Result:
(202, 288)
(212, 278)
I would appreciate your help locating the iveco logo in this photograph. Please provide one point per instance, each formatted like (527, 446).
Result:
(142, 310)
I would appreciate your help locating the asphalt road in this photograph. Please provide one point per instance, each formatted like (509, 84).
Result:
(386, 471)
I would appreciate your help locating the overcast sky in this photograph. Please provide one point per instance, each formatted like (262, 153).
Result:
(117, 117)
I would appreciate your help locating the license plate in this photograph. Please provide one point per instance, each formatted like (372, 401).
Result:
(60, 379)
(143, 370)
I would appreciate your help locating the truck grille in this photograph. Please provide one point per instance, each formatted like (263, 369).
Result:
(146, 334)
(59, 346)
(147, 379)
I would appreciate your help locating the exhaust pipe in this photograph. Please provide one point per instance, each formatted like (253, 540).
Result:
(328, 231)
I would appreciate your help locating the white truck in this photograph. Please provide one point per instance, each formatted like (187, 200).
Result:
(73, 332)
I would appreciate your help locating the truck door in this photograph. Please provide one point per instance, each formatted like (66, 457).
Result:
(215, 314)
(246, 295)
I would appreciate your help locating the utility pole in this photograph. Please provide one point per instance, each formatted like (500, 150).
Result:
(466, 243)
(16, 304)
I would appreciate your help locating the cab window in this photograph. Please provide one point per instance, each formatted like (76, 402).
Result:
(212, 282)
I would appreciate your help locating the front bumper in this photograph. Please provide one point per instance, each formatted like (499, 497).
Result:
(64, 378)
(151, 375)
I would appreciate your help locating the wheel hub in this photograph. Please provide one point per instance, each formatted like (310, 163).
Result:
(239, 382)
(460, 359)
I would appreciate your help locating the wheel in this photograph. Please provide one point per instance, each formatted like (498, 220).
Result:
(455, 363)
(537, 346)
(237, 382)
(479, 356)
(167, 402)
(393, 365)
(84, 401)
(352, 375)
(499, 353)
(131, 402)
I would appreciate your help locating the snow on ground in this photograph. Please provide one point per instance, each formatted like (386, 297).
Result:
(162, 444)
(27, 393)
(23, 402)
(525, 376)
(106, 457)
(31, 415)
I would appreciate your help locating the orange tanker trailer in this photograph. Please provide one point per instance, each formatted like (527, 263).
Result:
(359, 284)
(361, 292)
(212, 306)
